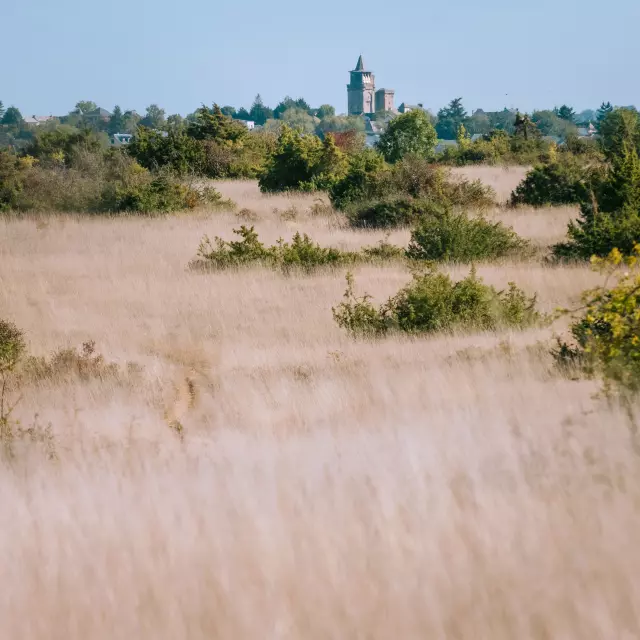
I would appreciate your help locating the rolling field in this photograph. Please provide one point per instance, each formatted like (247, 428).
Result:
(250, 471)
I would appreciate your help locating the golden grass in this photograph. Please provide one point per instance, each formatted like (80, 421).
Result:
(447, 487)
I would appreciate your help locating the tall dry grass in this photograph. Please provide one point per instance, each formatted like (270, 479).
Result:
(449, 487)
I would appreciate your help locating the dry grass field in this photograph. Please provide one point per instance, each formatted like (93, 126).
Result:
(447, 487)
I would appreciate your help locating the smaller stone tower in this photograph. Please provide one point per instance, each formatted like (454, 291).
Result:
(361, 90)
(385, 100)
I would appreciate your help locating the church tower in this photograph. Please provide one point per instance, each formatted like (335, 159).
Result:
(361, 91)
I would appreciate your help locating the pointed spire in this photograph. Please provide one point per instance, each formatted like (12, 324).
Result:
(360, 65)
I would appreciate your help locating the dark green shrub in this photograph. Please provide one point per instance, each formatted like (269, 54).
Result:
(369, 179)
(176, 151)
(434, 302)
(455, 237)
(597, 235)
(610, 219)
(555, 183)
(159, 195)
(392, 212)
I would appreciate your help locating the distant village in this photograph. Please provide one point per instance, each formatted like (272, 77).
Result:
(375, 106)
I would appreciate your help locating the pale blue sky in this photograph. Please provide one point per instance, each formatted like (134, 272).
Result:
(494, 53)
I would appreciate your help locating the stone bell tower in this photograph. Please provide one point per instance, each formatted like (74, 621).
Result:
(361, 91)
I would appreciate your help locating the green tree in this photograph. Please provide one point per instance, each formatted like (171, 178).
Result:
(242, 114)
(229, 111)
(212, 124)
(409, 133)
(479, 122)
(585, 117)
(302, 162)
(154, 118)
(618, 128)
(605, 109)
(361, 180)
(85, 106)
(175, 122)
(550, 123)
(326, 111)
(154, 150)
(502, 120)
(565, 113)
(463, 138)
(450, 118)
(290, 103)
(524, 126)
(299, 119)
(2, 110)
(259, 113)
(337, 124)
(116, 121)
(610, 217)
(12, 117)
(130, 121)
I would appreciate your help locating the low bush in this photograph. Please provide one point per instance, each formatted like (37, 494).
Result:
(455, 237)
(384, 251)
(391, 212)
(555, 183)
(301, 253)
(95, 182)
(369, 180)
(497, 147)
(606, 333)
(433, 302)
(72, 364)
(363, 180)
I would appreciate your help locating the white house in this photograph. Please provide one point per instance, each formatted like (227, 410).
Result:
(121, 139)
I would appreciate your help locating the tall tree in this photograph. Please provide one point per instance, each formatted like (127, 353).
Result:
(450, 118)
(2, 110)
(551, 124)
(116, 121)
(290, 103)
(175, 122)
(229, 111)
(154, 117)
(242, 114)
(259, 113)
(409, 133)
(212, 124)
(12, 117)
(524, 126)
(619, 130)
(326, 111)
(565, 113)
(605, 109)
(85, 106)
(131, 120)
